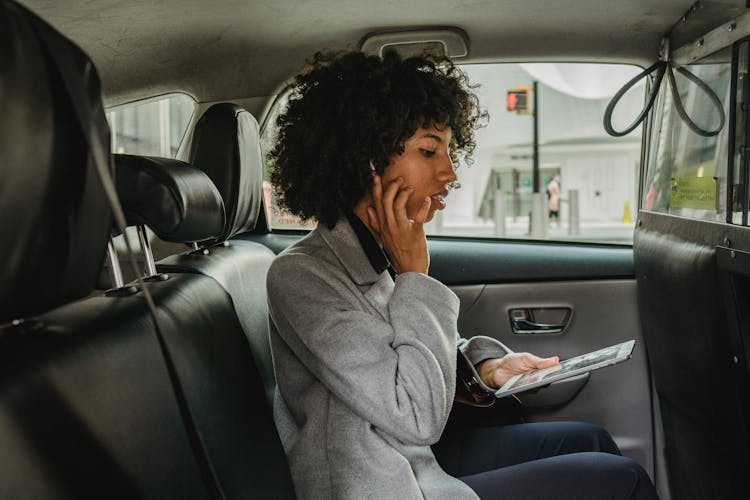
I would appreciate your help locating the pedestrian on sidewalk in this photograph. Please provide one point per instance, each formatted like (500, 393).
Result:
(553, 199)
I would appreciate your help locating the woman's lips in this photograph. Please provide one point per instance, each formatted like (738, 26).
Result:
(438, 201)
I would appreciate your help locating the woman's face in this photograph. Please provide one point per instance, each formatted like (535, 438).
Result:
(425, 165)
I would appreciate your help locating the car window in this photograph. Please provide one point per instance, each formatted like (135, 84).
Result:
(152, 127)
(687, 168)
(588, 179)
(278, 217)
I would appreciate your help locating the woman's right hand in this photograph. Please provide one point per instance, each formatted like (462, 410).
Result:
(402, 237)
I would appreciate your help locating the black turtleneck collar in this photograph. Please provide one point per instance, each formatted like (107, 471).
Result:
(376, 255)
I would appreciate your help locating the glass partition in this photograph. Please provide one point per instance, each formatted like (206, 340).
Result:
(687, 167)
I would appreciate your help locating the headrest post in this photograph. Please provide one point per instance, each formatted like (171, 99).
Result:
(114, 265)
(148, 256)
(197, 248)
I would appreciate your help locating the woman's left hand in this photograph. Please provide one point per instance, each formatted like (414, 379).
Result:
(496, 372)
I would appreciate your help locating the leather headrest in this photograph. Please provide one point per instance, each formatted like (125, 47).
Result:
(175, 200)
(226, 145)
(54, 217)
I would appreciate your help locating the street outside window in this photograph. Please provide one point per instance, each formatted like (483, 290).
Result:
(587, 181)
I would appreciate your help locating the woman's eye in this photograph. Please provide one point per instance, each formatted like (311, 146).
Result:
(427, 153)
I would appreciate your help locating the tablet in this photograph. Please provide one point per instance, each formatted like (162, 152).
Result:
(568, 368)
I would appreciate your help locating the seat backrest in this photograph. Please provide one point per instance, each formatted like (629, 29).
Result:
(210, 349)
(98, 399)
(89, 410)
(38, 136)
(222, 387)
(699, 369)
(226, 146)
(86, 405)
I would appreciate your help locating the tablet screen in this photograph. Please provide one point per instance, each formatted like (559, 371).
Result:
(568, 368)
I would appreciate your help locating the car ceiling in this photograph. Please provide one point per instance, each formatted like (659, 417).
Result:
(233, 49)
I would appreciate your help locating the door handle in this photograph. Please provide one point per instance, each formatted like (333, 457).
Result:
(523, 320)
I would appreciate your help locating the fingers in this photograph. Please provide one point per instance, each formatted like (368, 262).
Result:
(377, 198)
(535, 362)
(424, 210)
(372, 215)
(519, 362)
(391, 203)
(399, 205)
(547, 362)
(389, 197)
(394, 203)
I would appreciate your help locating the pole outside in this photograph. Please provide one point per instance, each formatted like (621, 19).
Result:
(535, 113)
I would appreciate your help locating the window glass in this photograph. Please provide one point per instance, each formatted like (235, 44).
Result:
(154, 127)
(586, 176)
(277, 216)
(687, 170)
(592, 177)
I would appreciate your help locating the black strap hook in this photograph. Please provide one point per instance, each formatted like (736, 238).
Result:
(658, 69)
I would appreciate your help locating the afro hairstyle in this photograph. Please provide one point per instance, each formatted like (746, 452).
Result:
(350, 110)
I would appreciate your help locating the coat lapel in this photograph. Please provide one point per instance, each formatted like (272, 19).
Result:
(343, 242)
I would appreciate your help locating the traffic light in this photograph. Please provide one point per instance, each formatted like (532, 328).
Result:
(518, 100)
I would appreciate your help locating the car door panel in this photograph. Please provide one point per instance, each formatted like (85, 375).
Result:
(604, 313)
(597, 284)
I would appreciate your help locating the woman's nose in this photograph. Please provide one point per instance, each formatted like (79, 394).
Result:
(447, 173)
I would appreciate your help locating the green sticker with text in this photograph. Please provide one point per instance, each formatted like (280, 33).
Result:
(694, 192)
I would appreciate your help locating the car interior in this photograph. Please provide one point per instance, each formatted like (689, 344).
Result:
(133, 315)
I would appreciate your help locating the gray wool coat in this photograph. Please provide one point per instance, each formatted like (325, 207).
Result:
(366, 371)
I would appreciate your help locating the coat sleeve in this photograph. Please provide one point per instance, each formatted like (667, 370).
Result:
(397, 375)
(480, 348)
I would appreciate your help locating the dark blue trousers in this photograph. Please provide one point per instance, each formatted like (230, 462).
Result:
(555, 460)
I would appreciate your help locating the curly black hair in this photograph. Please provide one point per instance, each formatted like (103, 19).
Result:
(350, 109)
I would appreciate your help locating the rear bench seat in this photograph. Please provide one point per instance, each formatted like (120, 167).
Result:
(211, 352)
(89, 405)
(226, 146)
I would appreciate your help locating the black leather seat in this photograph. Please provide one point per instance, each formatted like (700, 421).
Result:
(87, 405)
(98, 400)
(226, 147)
(45, 161)
(210, 350)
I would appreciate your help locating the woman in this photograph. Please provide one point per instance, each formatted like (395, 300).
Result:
(364, 342)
